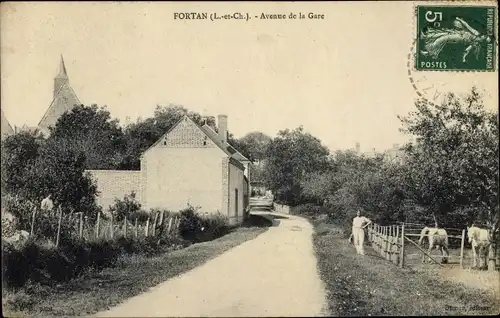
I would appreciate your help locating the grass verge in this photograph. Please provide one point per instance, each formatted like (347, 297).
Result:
(371, 286)
(133, 274)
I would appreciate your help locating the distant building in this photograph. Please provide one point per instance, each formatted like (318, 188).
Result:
(395, 153)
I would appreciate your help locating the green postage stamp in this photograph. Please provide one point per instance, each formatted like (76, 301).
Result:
(456, 38)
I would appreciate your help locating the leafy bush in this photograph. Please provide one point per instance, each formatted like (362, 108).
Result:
(196, 228)
(21, 209)
(214, 226)
(125, 208)
(45, 224)
(309, 209)
(190, 223)
(38, 262)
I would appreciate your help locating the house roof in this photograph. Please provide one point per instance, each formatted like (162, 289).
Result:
(227, 147)
(6, 127)
(229, 150)
(27, 128)
(56, 98)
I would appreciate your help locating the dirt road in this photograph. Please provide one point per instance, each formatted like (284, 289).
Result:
(272, 275)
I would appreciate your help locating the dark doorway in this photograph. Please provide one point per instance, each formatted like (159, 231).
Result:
(236, 202)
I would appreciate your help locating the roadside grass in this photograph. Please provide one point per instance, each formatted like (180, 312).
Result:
(132, 275)
(371, 286)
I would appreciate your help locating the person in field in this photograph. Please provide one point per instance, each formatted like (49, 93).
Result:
(358, 233)
(47, 204)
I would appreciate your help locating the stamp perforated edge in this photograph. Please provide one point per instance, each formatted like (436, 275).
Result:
(413, 52)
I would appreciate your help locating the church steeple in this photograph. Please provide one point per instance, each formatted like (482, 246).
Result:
(64, 100)
(61, 77)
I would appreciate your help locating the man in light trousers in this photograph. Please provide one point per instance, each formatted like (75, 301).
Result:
(358, 232)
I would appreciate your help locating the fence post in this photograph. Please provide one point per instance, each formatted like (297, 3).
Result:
(33, 221)
(397, 250)
(402, 252)
(170, 224)
(125, 227)
(59, 227)
(388, 243)
(81, 225)
(462, 250)
(384, 229)
(146, 231)
(97, 227)
(379, 239)
(154, 223)
(111, 227)
(384, 241)
(162, 215)
(136, 230)
(394, 242)
(391, 232)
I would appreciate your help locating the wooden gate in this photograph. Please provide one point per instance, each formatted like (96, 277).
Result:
(392, 241)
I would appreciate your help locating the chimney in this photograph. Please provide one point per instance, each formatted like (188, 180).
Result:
(222, 127)
(357, 147)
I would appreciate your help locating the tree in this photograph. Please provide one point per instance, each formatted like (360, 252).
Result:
(289, 157)
(19, 153)
(357, 182)
(454, 167)
(91, 131)
(60, 171)
(255, 144)
(33, 167)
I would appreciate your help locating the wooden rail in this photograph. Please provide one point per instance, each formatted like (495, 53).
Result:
(389, 242)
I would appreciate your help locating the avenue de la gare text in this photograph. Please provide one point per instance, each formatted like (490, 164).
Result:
(238, 15)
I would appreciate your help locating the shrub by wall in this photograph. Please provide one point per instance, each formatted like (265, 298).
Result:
(37, 261)
(196, 228)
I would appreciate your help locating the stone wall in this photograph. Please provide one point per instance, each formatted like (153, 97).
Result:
(281, 208)
(113, 184)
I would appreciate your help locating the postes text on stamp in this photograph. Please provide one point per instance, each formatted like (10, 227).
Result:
(456, 38)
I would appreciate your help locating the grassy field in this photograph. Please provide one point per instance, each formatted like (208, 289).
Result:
(371, 286)
(132, 275)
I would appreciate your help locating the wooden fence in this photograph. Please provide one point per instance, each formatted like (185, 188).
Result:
(156, 224)
(392, 241)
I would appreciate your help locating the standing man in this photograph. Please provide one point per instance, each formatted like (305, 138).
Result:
(47, 204)
(358, 232)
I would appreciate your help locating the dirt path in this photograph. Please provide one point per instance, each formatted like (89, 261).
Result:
(272, 275)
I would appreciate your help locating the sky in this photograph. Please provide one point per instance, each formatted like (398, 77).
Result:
(344, 78)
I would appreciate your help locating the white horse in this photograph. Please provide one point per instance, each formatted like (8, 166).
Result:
(480, 240)
(437, 238)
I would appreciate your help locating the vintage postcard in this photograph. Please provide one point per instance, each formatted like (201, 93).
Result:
(250, 159)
